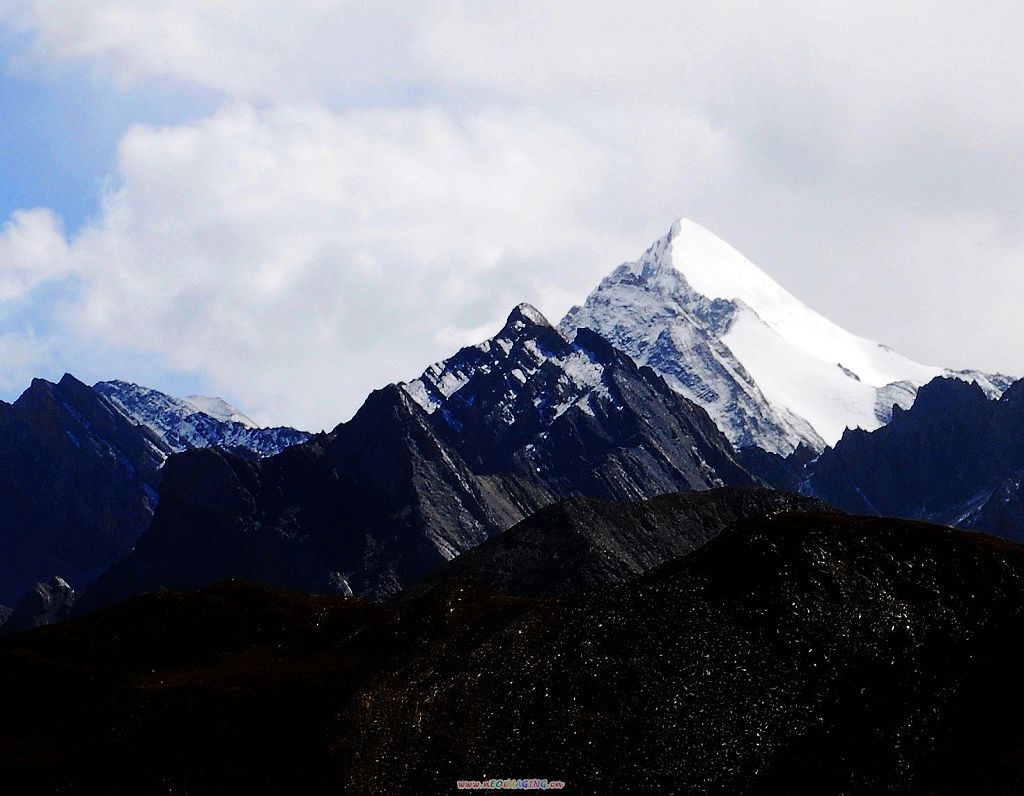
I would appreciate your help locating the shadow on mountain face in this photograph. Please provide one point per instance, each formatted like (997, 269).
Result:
(809, 653)
(955, 457)
(587, 543)
(78, 482)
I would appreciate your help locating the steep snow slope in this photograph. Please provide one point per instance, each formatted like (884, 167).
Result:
(771, 371)
(218, 409)
(196, 421)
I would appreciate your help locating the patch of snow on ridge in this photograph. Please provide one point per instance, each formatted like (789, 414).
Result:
(586, 378)
(183, 425)
(532, 314)
(418, 392)
(441, 380)
(219, 409)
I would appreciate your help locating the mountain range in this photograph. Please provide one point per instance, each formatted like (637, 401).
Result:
(689, 369)
(80, 473)
(428, 469)
(196, 421)
(629, 552)
(956, 457)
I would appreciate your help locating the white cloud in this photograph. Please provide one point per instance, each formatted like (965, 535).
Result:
(32, 250)
(303, 257)
(257, 49)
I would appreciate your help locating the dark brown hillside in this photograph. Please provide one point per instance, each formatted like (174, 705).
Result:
(806, 653)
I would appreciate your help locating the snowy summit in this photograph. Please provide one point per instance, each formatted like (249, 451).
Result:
(771, 371)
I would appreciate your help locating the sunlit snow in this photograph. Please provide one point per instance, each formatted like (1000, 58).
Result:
(768, 369)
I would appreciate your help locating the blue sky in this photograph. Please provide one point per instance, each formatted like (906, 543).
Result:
(291, 205)
(58, 142)
(51, 152)
(59, 130)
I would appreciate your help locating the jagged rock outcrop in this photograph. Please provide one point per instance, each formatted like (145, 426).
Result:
(955, 457)
(47, 602)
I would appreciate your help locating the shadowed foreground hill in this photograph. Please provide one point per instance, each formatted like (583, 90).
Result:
(588, 543)
(792, 654)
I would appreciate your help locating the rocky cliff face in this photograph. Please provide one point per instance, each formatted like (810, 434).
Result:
(47, 602)
(956, 457)
(78, 482)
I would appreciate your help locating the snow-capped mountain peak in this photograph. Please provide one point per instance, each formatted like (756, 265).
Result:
(219, 409)
(770, 370)
(508, 363)
(196, 421)
(716, 270)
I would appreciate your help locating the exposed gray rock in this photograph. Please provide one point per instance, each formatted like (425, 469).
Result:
(44, 604)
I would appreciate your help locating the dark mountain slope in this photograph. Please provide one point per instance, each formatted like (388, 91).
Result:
(46, 603)
(376, 499)
(796, 654)
(79, 472)
(955, 457)
(77, 485)
(427, 470)
(587, 543)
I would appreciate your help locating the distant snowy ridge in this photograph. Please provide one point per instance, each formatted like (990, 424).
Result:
(768, 369)
(197, 421)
